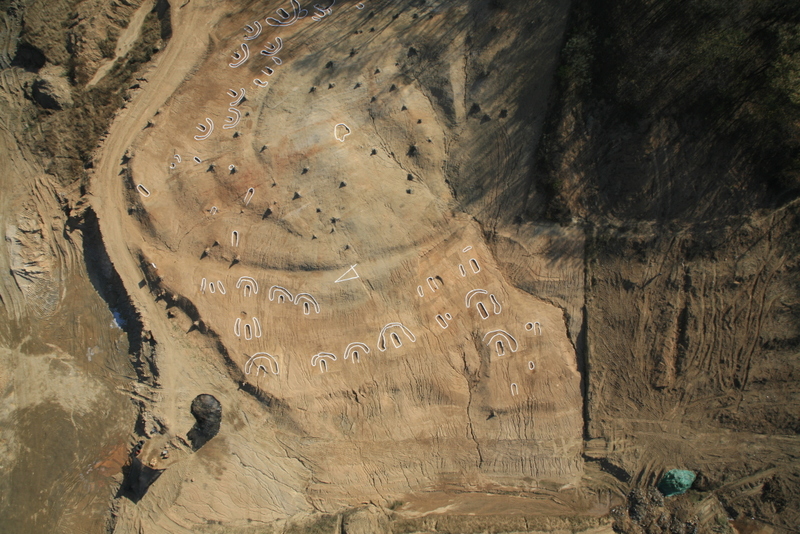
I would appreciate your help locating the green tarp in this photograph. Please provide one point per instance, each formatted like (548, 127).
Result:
(676, 482)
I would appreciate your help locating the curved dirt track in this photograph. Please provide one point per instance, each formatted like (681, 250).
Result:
(461, 380)
(360, 264)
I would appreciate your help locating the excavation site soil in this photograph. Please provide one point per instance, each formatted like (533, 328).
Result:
(301, 286)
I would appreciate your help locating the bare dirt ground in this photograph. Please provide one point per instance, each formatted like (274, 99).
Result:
(717, 391)
(316, 215)
(243, 236)
(66, 380)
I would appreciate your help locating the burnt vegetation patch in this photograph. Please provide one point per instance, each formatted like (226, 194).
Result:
(207, 411)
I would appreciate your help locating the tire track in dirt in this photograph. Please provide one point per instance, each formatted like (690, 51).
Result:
(8, 41)
(107, 193)
(9, 36)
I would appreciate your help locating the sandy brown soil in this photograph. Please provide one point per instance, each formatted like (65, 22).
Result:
(394, 347)
(424, 405)
(66, 414)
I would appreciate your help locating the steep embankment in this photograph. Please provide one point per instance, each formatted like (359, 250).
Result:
(674, 142)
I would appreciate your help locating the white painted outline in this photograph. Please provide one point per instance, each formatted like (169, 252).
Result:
(208, 130)
(203, 285)
(462, 270)
(514, 389)
(238, 97)
(178, 157)
(248, 331)
(432, 284)
(336, 134)
(309, 298)
(172, 165)
(281, 298)
(514, 346)
(473, 264)
(496, 307)
(531, 366)
(482, 311)
(235, 238)
(351, 351)
(259, 83)
(468, 297)
(532, 326)
(249, 195)
(257, 326)
(273, 367)
(250, 285)
(197, 160)
(212, 287)
(320, 359)
(143, 190)
(326, 12)
(237, 327)
(354, 277)
(441, 321)
(252, 32)
(231, 167)
(213, 210)
(466, 249)
(448, 316)
(359, 6)
(239, 59)
(268, 71)
(232, 121)
(420, 291)
(277, 61)
(298, 14)
(382, 336)
(270, 50)
(221, 287)
(395, 340)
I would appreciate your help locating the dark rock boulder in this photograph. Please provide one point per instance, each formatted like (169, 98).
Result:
(52, 89)
(207, 411)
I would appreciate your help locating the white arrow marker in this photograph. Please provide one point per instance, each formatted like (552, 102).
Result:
(350, 274)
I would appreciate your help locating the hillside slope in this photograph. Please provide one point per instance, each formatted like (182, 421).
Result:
(399, 266)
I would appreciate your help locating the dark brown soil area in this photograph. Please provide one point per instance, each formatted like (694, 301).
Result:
(673, 140)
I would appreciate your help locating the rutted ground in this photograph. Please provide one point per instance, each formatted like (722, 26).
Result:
(343, 263)
(691, 229)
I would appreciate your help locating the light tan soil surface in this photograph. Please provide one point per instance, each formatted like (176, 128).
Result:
(65, 414)
(453, 377)
(318, 214)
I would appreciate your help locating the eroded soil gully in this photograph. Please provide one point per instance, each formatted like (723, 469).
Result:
(111, 289)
